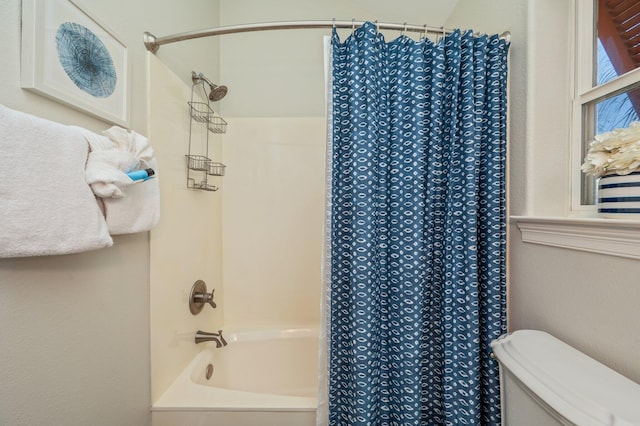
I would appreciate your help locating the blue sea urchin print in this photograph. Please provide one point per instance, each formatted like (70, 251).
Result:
(86, 60)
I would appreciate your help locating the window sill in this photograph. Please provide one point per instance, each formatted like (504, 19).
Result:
(615, 237)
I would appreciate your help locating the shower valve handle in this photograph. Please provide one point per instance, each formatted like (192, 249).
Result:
(205, 298)
(199, 297)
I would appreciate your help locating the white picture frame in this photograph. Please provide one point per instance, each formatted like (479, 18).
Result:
(71, 58)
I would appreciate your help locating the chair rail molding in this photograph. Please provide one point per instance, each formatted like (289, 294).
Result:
(613, 237)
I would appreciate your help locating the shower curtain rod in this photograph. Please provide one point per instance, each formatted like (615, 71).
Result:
(153, 43)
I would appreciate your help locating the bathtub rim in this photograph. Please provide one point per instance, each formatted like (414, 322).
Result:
(239, 335)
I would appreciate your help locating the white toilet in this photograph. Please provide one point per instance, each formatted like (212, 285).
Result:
(547, 382)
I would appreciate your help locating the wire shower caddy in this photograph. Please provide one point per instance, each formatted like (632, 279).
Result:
(200, 167)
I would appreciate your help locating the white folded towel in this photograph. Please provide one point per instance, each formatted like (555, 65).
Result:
(129, 206)
(138, 210)
(106, 166)
(131, 142)
(46, 206)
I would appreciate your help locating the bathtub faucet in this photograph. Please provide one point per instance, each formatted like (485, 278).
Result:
(203, 336)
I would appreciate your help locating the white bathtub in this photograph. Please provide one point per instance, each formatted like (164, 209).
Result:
(260, 378)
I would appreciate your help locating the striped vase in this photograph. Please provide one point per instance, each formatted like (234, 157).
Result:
(619, 196)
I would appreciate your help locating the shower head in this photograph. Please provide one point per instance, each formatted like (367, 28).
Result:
(216, 92)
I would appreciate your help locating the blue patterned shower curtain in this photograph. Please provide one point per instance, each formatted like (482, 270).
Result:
(417, 237)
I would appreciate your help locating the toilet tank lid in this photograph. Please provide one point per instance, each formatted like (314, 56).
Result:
(576, 386)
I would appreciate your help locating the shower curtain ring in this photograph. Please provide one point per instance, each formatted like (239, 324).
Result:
(353, 24)
(333, 20)
(444, 33)
(404, 30)
(425, 31)
(377, 27)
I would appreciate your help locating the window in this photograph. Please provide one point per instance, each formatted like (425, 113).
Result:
(607, 85)
(605, 95)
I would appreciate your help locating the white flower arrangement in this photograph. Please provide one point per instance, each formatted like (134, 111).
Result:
(615, 152)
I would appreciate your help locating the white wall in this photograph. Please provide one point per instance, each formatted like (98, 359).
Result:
(74, 330)
(280, 73)
(585, 299)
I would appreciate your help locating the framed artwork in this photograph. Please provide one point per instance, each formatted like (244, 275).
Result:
(71, 58)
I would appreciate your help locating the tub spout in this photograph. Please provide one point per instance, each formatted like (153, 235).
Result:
(203, 336)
